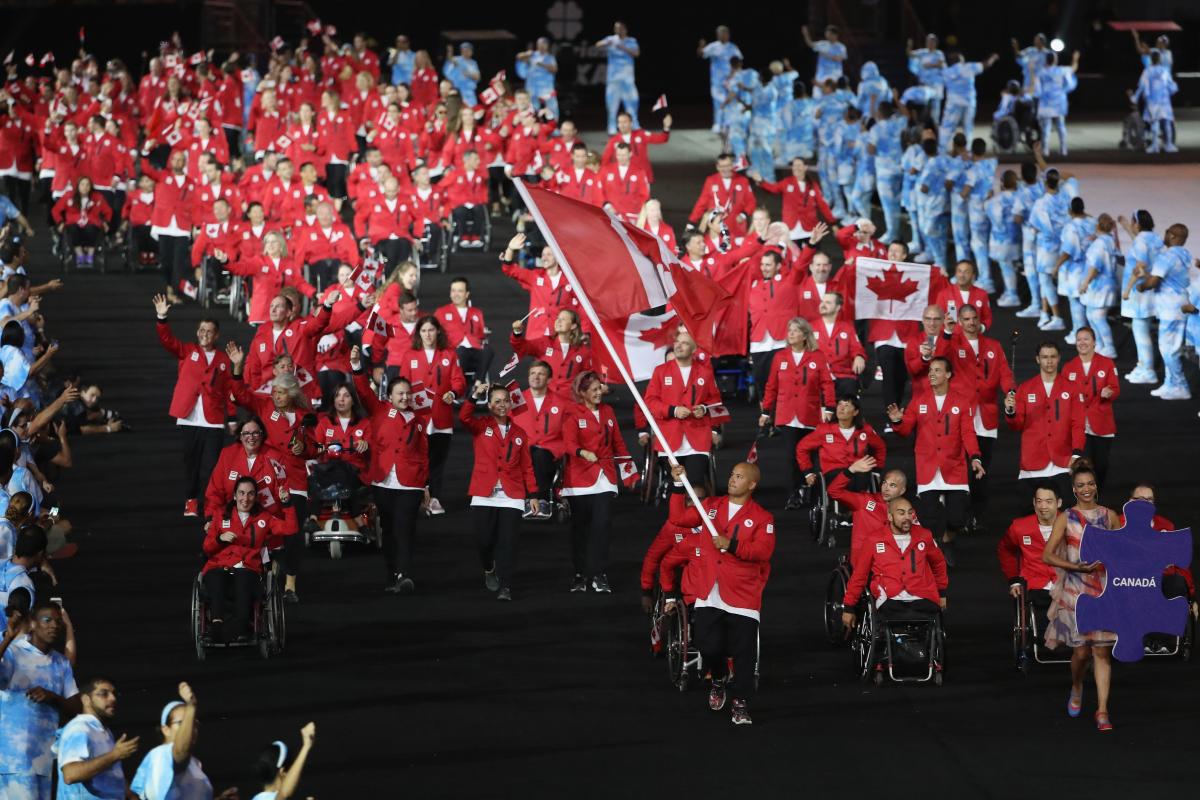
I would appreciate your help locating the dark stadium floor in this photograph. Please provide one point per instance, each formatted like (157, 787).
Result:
(450, 694)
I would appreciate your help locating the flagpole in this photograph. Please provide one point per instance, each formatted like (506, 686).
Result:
(584, 301)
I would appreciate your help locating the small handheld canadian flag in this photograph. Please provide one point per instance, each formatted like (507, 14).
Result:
(742, 163)
(516, 398)
(627, 470)
(752, 456)
(196, 59)
(276, 43)
(499, 77)
(47, 59)
(8, 58)
(377, 324)
(30, 60)
(511, 365)
(420, 397)
(314, 27)
(330, 30)
(174, 137)
(718, 414)
(660, 103)
(170, 61)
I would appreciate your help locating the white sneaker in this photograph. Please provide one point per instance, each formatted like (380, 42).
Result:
(1008, 300)
(1176, 393)
(1139, 375)
(1108, 353)
(1070, 338)
(1171, 148)
(1055, 324)
(1029, 312)
(1152, 149)
(435, 507)
(1159, 391)
(987, 287)
(878, 374)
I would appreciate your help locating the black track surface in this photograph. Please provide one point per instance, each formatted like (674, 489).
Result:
(449, 694)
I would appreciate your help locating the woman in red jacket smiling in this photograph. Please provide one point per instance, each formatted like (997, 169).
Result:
(500, 481)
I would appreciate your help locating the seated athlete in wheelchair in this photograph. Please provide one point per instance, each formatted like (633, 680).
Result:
(340, 504)
(653, 599)
(838, 444)
(901, 634)
(1015, 120)
(234, 544)
(1176, 582)
(466, 194)
(1030, 579)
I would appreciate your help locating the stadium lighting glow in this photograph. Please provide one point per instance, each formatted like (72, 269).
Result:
(1057, 44)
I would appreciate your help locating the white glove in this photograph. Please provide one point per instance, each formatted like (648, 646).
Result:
(327, 343)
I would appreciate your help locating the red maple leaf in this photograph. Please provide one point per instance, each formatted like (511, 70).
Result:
(662, 335)
(893, 285)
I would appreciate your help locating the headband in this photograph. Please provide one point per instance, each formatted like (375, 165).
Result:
(282, 753)
(167, 709)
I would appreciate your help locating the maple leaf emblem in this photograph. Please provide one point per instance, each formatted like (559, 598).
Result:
(663, 335)
(892, 285)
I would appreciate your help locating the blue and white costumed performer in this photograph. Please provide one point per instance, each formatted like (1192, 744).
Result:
(620, 86)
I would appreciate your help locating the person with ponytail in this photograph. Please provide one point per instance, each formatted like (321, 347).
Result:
(280, 783)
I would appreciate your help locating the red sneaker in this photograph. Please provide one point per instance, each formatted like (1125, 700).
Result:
(191, 509)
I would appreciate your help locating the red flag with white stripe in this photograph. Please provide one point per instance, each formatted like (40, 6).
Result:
(660, 103)
(641, 342)
(420, 398)
(516, 398)
(892, 290)
(511, 365)
(314, 27)
(752, 456)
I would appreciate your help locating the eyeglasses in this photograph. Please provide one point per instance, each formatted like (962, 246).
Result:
(251, 434)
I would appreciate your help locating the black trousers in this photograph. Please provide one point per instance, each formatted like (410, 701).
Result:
(908, 611)
(1097, 449)
(18, 190)
(324, 272)
(761, 365)
(294, 548)
(82, 236)
(439, 451)
(432, 243)
(791, 437)
(591, 525)
(233, 138)
(398, 515)
(720, 635)
(980, 491)
(941, 510)
(142, 240)
(499, 186)
(496, 533)
(335, 180)
(891, 360)
(695, 467)
(242, 584)
(174, 252)
(476, 362)
(201, 449)
(544, 467)
(469, 221)
(394, 251)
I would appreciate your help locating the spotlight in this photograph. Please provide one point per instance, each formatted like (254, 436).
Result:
(1057, 44)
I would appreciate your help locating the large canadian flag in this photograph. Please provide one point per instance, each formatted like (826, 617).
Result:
(641, 342)
(623, 270)
(891, 290)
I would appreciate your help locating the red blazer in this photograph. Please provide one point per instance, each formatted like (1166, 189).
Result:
(987, 373)
(543, 295)
(920, 570)
(137, 210)
(253, 184)
(665, 233)
(586, 187)
(279, 432)
(398, 440)
(668, 390)
(809, 295)
(498, 458)
(197, 378)
(481, 140)
(870, 511)
(430, 209)
(951, 296)
(216, 236)
(563, 368)
(317, 244)
(440, 374)
(1020, 554)
(799, 391)
(663, 541)
(545, 425)
(92, 210)
(581, 431)
(852, 248)
(170, 198)
(840, 347)
(742, 570)
(803, 202)
(838, 452)
(297, 138)
(269, 277)
(269, 471)
(946, 438)
(471, 329)
(337, 132)
(463, 189)
(1098, 411)
(626, 195)
(102, 159)
(337, 443)
(1052, 428)
(639, 148)
(261, 529)
(773, 303)
(737, 200)
(298, 339)
(377, 220)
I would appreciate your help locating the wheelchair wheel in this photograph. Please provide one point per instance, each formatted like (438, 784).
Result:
(237, 300)
(675, 645)
(278, 615)
(1189, 636)
(648, 474)
(818, 520)
(835, 592)
(335, 550)
(197, 621)
(866, 645)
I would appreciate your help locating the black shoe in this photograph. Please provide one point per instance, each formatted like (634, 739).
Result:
(216, 632)
(793, 502)
(491, 580)
(504, 594)
(578, 583)
(600, 584)
(290, 596)
(400, 584)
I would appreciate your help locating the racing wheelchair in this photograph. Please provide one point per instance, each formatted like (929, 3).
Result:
(268, 618)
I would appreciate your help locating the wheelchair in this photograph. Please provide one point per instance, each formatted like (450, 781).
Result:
(433, 250)
(1029, 631)
(61, 250)
(904, 651)
(133, 253)
(268, 618)
(1159, 645)
(835, 593)
(335, 525)
(735, 378)
(239, 298)
(1020, 127)
(215, 286)
(560, 509)
(656, 480)
(827, 519)
(485, 235)
(684, 662)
